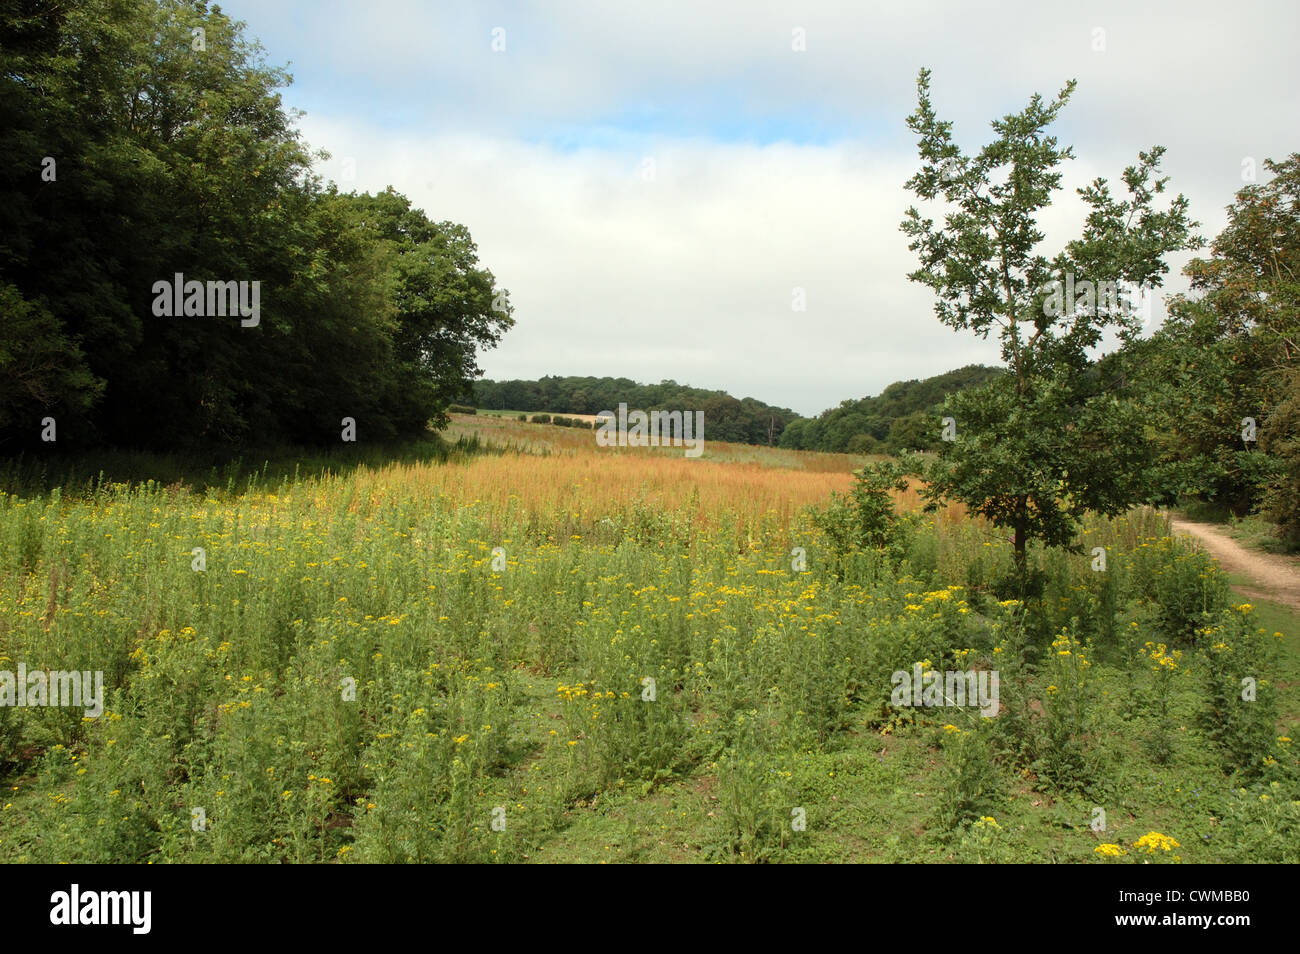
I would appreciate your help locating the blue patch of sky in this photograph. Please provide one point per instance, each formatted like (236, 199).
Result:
(740, 110)
(721, 117)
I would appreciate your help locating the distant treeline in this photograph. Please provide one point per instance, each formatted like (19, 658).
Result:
(905, 416)
(741, 421)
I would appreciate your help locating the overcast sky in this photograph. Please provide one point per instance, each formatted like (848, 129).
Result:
(651, 181)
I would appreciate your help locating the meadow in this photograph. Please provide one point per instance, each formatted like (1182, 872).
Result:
(548, 651)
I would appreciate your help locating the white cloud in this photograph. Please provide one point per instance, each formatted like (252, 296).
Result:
(690, 276)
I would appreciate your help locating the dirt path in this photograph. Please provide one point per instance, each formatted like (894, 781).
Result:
(1271, 577)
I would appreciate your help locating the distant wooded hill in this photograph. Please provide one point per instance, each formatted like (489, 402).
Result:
(902, 417)
(742, 421)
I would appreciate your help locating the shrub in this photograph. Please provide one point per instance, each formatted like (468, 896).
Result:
(1240, 714)
(865, 518)
(753, 801)
(460, 409)
(1163, 667)
(862, 444)
(1066, 753)
(1184, 585)
(1280, 439)
(970, 786)
(626, 733)
(541, 418)
(1260, 826)
(983, 842)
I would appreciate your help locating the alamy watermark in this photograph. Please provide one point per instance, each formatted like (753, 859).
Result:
(75, 906)
(922, 687)
(194, 298)
(60, 688)
(1066, 297)
(653, 429)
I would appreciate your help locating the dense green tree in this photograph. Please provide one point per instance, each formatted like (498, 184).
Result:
(1227, 354)
(1281, 439)
(42, 372)
(447, 306)
(863, 444)
(914, 432)
(835, 430)
(141, 139)
(1037, 447)
(794, 434)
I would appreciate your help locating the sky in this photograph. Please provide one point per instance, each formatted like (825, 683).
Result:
(658, 185)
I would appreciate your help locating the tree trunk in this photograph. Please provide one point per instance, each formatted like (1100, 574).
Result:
(1021, 539)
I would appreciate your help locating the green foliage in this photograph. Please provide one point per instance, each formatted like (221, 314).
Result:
(1066, 753)
(902, 417)
(983, 842)
(1281, 439)
(1260, 826)
(1227, 352)
(524, 688)
(1240, 711)
(865, 520)
(1182, 587)
(42, 371)
(744, 421)
(863, 444)
(752, 795)
(1039, 447)
(1008, 450)
(367, 309)
(865, 517)
(970, 782)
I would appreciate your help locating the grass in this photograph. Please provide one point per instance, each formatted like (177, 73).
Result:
(449, 659)
(1259, 534)
(1251, 530)
(216, 471)
(1278, 617)
(505, 432)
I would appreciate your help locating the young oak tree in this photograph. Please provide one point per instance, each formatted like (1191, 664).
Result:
(1036, 448)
